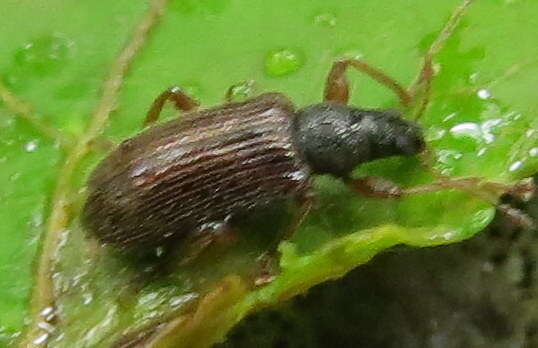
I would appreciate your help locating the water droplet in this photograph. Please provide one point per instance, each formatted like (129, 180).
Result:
(467, 129)
(179, 301)
(30, 146)
(45, 326)
(483, 94)
(46, 311)
(449, 235)
(446, 160)
(242, 90)
(487, 129)
(449, 117)
(533, 152)
(325, 19)
(282, 62)
(159, 251)
(41, 339)
(482, 217)
(14, 177)
(482, 152)
(515, 166)
(435, 134)
(87, 298)
(44, 56)
(297, 175)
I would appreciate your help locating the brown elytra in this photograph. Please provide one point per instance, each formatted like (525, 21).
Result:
(178, 176)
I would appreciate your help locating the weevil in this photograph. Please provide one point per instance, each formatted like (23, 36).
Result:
(189, 176)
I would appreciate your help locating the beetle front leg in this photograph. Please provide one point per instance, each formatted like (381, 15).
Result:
(337, 86)
(181, 100)
(377, 187)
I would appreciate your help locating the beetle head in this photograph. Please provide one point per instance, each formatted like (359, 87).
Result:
(335, 138)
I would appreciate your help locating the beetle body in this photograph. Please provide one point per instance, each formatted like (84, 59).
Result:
(184, 174)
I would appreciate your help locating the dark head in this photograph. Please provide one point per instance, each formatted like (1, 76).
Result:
(335, 139)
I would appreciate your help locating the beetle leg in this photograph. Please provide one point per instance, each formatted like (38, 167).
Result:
(181, 100)
(208, 234)
(376, 187)
(337, 86)
(382, 188)
(424, 80)
(306, 204)
(268, 261)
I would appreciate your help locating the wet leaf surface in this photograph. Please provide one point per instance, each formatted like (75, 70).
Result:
(481, 122)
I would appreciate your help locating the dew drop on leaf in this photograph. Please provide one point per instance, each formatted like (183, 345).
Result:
(242, 90)
(517, 165)
(483, 94)
(326, 19)
(30, 146)
(43, 56)
(282, 62)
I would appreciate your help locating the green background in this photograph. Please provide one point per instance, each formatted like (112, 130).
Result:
(56, 54)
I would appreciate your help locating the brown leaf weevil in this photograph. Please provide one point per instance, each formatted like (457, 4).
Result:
(188, 176)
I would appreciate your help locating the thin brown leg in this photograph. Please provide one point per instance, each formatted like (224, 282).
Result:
(375, 187)
(181, 100)
(425, 80)
(220, 233)
(337, 87)
(426, 75)
(268, 261)
(488, 191)
(304, 209)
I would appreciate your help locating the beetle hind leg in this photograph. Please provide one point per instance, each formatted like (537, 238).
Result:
(220, 233)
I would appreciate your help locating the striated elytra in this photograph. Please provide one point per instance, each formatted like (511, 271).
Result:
(189, 176)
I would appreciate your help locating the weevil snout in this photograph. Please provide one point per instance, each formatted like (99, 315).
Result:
(411, 140)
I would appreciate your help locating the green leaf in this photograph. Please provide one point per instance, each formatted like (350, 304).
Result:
(56, 55)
